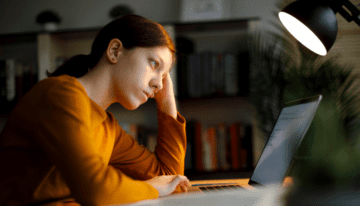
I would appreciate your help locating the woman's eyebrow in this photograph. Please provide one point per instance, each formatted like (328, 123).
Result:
(161, 61)
(171, 66)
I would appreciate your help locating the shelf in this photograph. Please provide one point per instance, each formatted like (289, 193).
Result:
(228, 24)
(184, 25)
(71, 36)
(204, 29)
(214, 110)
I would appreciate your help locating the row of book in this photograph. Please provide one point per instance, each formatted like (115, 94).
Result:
(209, 74)
(210, 148)
(16, 79)
(219, 147)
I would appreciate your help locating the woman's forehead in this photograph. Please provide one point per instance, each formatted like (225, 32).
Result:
(162, 52)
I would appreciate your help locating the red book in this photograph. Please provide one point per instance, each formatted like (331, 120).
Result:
(234, 146)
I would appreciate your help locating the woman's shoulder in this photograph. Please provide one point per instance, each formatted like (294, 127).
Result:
(62, 83)
(52, 94)
(62, 80)
(57, 88)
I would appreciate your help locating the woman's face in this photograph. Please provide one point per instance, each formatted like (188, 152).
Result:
(139, 73)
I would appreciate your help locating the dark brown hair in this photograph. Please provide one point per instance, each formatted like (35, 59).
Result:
(132, 30)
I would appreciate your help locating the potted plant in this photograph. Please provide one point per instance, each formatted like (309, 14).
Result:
(49, 20)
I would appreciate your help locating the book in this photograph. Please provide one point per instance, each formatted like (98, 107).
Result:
(243, 67)
(3, 81)
(209, 150)
(234, 146)
(214, 72)
(241, 147)
(19, 81)
(195, 76)
(205, 59)
(247, 143)
(222, 147)
(231, 76)
(220, 74)
(183, 84)
(10, 79)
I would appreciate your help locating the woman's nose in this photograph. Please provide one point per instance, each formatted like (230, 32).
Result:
(156, 83)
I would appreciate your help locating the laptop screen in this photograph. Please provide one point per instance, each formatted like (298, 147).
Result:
(285, 138)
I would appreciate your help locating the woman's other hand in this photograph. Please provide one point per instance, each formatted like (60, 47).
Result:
(166, 184)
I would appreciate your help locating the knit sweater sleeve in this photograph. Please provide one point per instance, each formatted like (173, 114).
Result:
(168, 159)
(63, 132)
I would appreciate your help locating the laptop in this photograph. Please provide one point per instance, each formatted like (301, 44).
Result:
(276, 158)
(270, 171)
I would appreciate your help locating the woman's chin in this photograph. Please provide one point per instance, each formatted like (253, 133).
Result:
(132, 106)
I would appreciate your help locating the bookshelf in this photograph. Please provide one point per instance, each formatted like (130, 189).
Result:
(47, 50)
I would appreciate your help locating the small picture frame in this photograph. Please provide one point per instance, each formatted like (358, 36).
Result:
(198, 10)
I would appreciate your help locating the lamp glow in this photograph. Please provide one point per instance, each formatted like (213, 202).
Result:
(302, 33)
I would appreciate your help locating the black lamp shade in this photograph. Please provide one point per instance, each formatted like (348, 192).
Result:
(318, 17)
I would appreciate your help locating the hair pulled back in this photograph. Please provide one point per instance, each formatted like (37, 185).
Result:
(132, 30)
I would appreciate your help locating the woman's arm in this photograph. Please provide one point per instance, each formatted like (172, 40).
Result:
(165, 98)
(62, 127)
(169, 155)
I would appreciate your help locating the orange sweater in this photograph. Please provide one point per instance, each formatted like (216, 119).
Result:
(60, 146)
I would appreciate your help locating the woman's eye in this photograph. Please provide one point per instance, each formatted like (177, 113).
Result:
(154, 63)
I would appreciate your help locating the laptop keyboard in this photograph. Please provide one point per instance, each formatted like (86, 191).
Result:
(219, 188)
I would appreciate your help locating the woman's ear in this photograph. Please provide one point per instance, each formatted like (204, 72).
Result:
(115, 48)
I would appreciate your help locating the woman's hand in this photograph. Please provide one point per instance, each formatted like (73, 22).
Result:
(167, 184)
(165, 98)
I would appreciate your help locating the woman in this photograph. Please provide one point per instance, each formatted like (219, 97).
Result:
(60, 146)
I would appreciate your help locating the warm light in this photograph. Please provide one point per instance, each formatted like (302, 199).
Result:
(302, 33)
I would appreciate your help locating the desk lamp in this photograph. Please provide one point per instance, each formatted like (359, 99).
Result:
(313, 22)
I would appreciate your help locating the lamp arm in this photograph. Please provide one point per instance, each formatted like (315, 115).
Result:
(354, 11)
